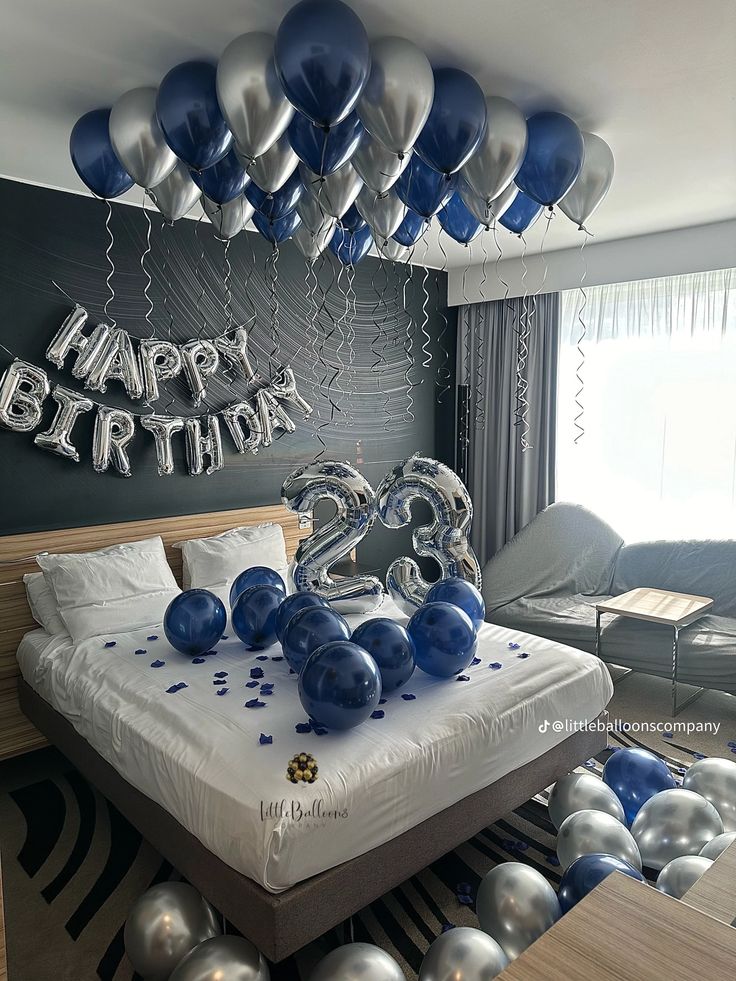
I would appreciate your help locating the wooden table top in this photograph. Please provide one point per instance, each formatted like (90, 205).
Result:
(715, 892)
(657, 606)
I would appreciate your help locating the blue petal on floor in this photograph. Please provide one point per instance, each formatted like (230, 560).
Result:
(265, 740)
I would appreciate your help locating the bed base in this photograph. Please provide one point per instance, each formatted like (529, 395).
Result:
(281, 924)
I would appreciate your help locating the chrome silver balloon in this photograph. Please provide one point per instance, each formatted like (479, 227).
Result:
(353, 519)
(674, 823)
(163, 428)
(57, 438)
(114, 429)
(271, 416)
(463, 954)
(200, 361)
(160, 361)
(445, 539)
(137, 138)
(515, 906)
(715, 779)
(500, 154)
(273, 167)
(312, 244)
(397, 98)
(592, 183)
(582, 792)
(383, 212)
(116, 361)
(223, 959)
(283, 387)
(486, 212)
(378, 167)
(168, 921)
(393, 250)
(69, 337)
(228, 219)
(233, 347)
(244, 425)
(250, 94)
(201, 445)
(23, 388)
(313, 214)
(681, 873)
(588, 832)
(335, 192)
(357, 962)
(717, 846)
(177, 193)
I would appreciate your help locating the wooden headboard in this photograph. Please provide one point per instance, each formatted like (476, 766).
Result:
(17, 735)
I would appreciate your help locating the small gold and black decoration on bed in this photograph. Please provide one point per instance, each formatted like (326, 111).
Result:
(302, 768)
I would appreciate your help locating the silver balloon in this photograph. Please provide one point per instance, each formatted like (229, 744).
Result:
(486, 212)
(200, 361)
(354, 517)
(177, 194)
(383, 212)
(116, 362)
(200, 446)
(228, 219)
(234, 349)
(274, 167)
(313, 244)
(57, 439)
(163, 428)
(582, 792)
(244, 425)
(500, 154)
(357, 962)
(393, 250)
(673, 823)
(715, 779)
(271, 416)
(69, 337)
(592, 183)
(283, 387)
(717, 846)
(397, 98)
(378, 167)
(89, 358)
(137, 138)
(463, 954)
(589, 832)
(445, 539)
(23, 388)
(168, 921)
(336, 192)
(223, 959)
(114, 429)
(250, 94)
(160, 361)
(681, 873)
(313, 215)
(516, 905)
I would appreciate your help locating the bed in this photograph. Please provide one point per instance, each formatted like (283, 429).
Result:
(172, 744)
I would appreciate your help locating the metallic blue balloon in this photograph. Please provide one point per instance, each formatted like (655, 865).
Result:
(279, 229)
(586, 873)
(460, 593)
(456, 122)
(323, 59)
(257, 575)
(352, 220)
(279, 203)
(309, 629)
(520, 214)
(254, 615)
(391, 647)
(340, 685)
(422, 189)
(554, 157)
(194, 621)
(323, 151)
(190, 117)
(291, 606)
(635, 775)
(94, 158)
(458, 221)
(351, 247)
(444, 637)
(223, 181)
(410, 230)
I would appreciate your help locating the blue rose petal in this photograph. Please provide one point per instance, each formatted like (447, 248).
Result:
(224, 637)
(476, 660)
(523, 655)
(463, 677)
(278, 657)
(303, 727)
(262, 657)
(254, 703)
(209, 653)
(157, 664)
(256, 672)
(554, 861)
(446, 927)
(265, 740)
(408, 697)
(514, 647)
(152, 637)
(251, 684)
(141, 650)
(495, 665)
(198, 660)
(111, 643)
(221, 674)
(382, 701)
(222, 691)
(378, 714)
(699, 756)
(176, 688)
(319, 730)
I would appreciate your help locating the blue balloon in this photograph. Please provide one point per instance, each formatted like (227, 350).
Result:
(323, 151)
(391, 647)
(256, 575)
(458, 221)
(460, 593)
(309, 629)
(351, 247)
(410, 230)
(520, 214)
(190, 117)
(340, 685)
(278, 229)
(352, 220)
(276, 204)
(586, 873)
(194, 621)
(444, 637)
(254, 615)
(291, 606)
(456, 123)
(635, 775)
(422, 189)
(94, 158)
(323, 59)
(554, 157)
(224, 181)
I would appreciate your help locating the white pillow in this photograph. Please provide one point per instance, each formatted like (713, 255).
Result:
(120, 588)
(43, 604)
(214, 563)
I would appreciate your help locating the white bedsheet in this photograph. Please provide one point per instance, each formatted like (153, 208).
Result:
(198, 754)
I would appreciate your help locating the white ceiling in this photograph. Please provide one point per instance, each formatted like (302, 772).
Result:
(656, 79)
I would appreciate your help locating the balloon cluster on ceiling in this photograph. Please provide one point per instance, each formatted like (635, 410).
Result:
(321, 136)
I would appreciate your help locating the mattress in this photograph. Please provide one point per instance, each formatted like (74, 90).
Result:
(178, 729)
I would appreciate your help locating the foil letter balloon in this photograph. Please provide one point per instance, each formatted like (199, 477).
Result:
(445, 539)
(235, 350)
(355, 501)
(114, 429)
(283, 387)
(163, 428)
(271, 416)
(69, 337)
(200, 360)
(199, 446)
(117, 362)
(70, 406)
(248, 439)
(160, 361)
(22, 390)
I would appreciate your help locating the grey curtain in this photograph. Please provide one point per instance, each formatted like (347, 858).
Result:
(509, 485)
